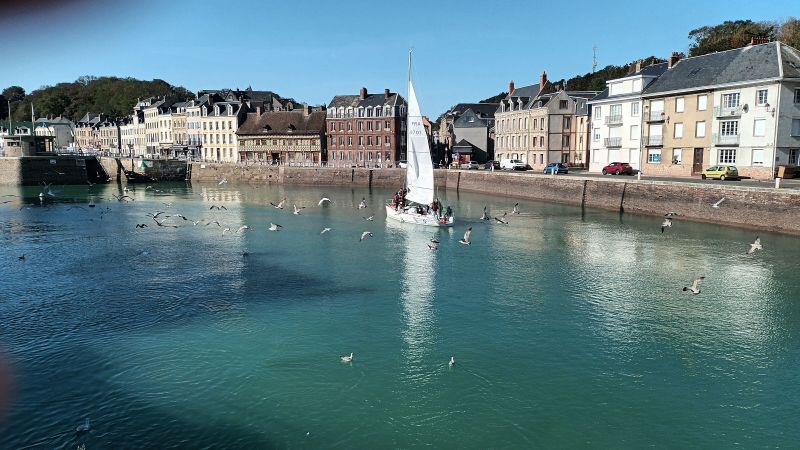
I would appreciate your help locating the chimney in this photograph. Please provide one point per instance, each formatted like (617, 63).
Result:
(542, 80)
(386, 93)
(362, 94)
(673, 58)
(258, 111)
(511, 88)
(306, 110)
(756, 40)
(638, 65)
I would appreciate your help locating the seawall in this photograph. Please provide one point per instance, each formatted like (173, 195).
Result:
(51, 169)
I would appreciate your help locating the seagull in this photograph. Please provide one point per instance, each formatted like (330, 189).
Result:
(325, 230)
(755, 246)
(242, 228)
(274, 226)
(500, 220)
(156, 214)
(516, 208)
(465, 240)
(141, 225)
(279, 205)
(85, 427)
(671, 214)
(363, 204)
(181, 216)
(695, 289)
(21, 258)
(226, 229)
(370, 218)
(216, 222)
(485, 215)
(297, 210)
(716, 205)
(195, 222)
(220, 207)
(364, 235)
(148, 187)
(433, 245)
(123, 198)
(347, 358)
(166, 204)
(452, 362)
(161, 224)
(667, 224)
(222, 181)
(323, 200)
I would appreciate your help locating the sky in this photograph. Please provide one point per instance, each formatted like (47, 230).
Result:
(310, 50)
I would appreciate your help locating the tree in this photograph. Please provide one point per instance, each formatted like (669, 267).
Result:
(728, 35)
(14, 93)
(789, 32)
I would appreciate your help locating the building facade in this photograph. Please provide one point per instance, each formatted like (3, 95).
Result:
(366, 130)
(283, 137)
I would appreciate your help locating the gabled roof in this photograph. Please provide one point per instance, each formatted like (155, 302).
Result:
(371, 100)
(481, 109)
(279, 122)
(741, 65)
(469, 119)
(525, 91)
(653, 71)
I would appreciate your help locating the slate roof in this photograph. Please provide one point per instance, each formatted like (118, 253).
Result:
(279, 122)
(790, 58)
(525, 91)
(463, 121)
(754, 62)
(653, 70)
(371, 100)
(485, 109)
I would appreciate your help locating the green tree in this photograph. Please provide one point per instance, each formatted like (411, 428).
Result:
(728, 35)
(789, 32)
(14, 93)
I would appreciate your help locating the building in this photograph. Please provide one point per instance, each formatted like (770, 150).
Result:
(85, 132)
(739, 107)
(366, 130)
(616, 134)
(60, 129)
(471, 123)
(512, 128)
(132, 133)
(283, 137)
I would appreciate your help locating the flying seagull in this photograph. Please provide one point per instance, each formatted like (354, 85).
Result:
(325, 230)
(181, 216)
(124, 198)
(755, 246)
(85, 427)
(433, 245)
(279, 205)
(363, 203)
(347, 358)
(216, 222)
(297, 210)
(141, 225)
(516, 208)
(161, 224)
(220, 207)
(370, 218)
(242, 228)
(364, 235)
(500, 220)
(667, 224)
(485, 215)
(323, 200)
(695, 289)
(716, 205)
(274, 226)
(156, 214)
(465, 239)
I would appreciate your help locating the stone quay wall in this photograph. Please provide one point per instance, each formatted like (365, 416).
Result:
(51, 169)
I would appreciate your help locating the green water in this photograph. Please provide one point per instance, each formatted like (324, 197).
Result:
(569, 328)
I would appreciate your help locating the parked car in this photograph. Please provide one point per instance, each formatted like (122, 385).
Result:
(402, 164)
(556, 167)
(492, 164)
(470, 165)
(512, 164)
(618, 168)
(721, 173)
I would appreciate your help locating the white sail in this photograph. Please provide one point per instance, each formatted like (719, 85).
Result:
(419, 174)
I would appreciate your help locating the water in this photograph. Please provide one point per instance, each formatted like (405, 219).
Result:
(568, 330)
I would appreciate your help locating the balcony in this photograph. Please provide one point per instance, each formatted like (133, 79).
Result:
(613, 120)
(655, 141)
(728, 111)
(613, 142)
(725, 139)
(656, 115)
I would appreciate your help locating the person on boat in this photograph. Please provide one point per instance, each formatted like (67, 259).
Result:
(435, 207)
(449, 212)
(396, 200)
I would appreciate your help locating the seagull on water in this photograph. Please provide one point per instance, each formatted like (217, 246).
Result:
(485, 215)
(363, 204)
(226, 229)
(755, 246)
(364, 235)
(274, 226)
(279, 205)
(695, 288)
(347, 358)
(716, 205)
(297, 210)
(222, 181)
(452, 362)
(370, 218)
(242, 228)
(667, 224)
(323, 200)
(21, 257)
(465, 239)
(85, 427)
(325, 230)
(141, 225)
(433, 245)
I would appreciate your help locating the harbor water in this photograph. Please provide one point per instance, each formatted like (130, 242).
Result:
(569, 328)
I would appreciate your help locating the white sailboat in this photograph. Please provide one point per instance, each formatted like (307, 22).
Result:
(419, 192)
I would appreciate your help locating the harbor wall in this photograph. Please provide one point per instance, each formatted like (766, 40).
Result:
(160, 169)
(51, 169)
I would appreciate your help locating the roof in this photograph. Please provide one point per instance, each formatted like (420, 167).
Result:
(754, 62)
(485, 109)
(464, 146)
(14, 124)
(651, 71)
(279, 122)
(469, 119)
(525, 91)
(371, 100)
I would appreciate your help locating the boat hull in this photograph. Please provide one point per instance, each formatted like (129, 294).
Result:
(417, 219)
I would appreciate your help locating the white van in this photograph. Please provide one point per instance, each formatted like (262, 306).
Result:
(512, 164)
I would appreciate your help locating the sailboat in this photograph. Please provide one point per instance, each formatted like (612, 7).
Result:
(417, 197)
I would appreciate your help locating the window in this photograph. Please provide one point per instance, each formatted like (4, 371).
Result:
(730, 100)
(679, 104)
(563, 104)
(634, 132)
(678, 130)
(795, 127)
(615, 111)
(761, 97)
(727, 156)
(597, 108)
(341, 141)
(759, 127)
(635, 109)
(702, 102)
(567, 123)
(349, 141)
(369, 126)
(361, 140)
(700, 129)
(797, 96)
(565, 141)
(349, 126)
(729, 127)
(676, 156)
(654, 156)
(596, 134)
(793, 156)
(758, 157)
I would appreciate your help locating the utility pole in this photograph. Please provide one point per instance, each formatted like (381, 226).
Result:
(594, 58)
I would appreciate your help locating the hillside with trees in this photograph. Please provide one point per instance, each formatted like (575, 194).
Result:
(109, 95)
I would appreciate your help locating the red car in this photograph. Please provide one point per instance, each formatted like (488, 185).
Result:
(618, 168)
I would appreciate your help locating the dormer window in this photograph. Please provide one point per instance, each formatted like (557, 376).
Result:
(291, 128)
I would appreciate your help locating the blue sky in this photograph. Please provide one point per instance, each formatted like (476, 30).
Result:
(464, 51)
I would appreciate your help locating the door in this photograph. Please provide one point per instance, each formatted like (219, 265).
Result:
(697, 166)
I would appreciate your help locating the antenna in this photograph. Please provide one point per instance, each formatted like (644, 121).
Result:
(594, 58)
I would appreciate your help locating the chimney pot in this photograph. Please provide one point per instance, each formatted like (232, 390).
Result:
(258, 111)
(362, 94)
(673, 58)
(511, 87)
(386, 93)
(542, 80)
(639, 65)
